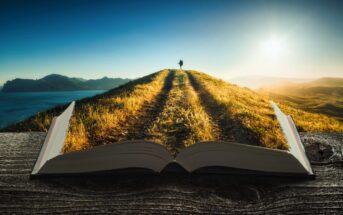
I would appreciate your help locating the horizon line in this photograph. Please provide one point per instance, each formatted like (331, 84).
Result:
(230, 78)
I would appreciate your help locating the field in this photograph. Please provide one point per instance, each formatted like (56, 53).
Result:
(324, 95)
(178, 108)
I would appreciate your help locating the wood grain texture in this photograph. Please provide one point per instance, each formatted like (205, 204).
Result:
(169, 194)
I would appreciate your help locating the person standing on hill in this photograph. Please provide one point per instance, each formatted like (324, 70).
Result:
(181, 64)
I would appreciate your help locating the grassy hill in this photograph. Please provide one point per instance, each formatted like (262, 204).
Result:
(177, 108)
(324, 95)
(257, 81)
(327, 82)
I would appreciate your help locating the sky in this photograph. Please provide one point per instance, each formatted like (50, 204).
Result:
(130, 39)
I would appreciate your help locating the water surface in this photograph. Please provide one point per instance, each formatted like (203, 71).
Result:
(15, 107)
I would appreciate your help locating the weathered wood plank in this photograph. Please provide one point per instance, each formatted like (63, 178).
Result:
(177, 194)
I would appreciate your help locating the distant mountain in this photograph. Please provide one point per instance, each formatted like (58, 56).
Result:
(255, 82)
(56, 82)
(324, 95)
(327, 82)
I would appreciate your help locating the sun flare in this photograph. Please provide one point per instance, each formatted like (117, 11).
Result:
(273, 47)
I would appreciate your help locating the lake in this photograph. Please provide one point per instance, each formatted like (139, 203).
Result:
(15, 107)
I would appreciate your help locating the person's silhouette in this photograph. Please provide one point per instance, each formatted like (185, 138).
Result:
(181, 63)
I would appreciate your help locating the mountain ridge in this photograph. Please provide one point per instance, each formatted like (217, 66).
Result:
(257, 81)
(328, 81)
(56, 82)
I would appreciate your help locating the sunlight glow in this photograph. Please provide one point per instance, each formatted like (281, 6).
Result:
(274, 47)
(271, 55)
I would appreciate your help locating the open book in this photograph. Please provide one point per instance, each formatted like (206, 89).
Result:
(144, 156)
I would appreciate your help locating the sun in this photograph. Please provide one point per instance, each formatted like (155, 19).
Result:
(273, 47)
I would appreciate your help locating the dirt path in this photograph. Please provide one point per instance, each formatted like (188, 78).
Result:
(149, 112)
(220, 119)
(113, 116)
(134, 126)
(183, 121)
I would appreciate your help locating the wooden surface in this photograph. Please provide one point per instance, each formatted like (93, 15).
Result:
(172, 194)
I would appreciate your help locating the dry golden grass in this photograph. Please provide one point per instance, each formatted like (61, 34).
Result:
(181, 118)
(246, 108)
(312, 122)
(202, 125)
(105, 120)
(255, 112)
(183, 121)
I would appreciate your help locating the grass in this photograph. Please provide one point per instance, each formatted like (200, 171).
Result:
(318, 99)
(245, 109)
(105, 120)
(312, 122)
(177, 109)
(253, 110)
(101, 119)
(183, 120)
(322, 96)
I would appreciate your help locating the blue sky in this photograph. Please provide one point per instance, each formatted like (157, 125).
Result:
(92, 39)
